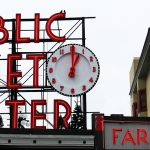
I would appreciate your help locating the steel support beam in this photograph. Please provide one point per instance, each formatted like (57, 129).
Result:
(84, 95)
(14, 79)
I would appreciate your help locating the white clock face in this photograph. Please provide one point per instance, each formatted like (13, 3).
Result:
(73, 70)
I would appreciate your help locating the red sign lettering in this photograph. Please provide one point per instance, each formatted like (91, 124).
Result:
(4, 30)
(114, 136)
(36, 28)
(15, 104)
(10, 73)
(35, 58)
(34, 115)
(19, 39)
(18, 28)
(56, 112)
(128, 137)
(139, 139)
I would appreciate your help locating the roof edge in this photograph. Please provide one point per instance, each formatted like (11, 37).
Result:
(141, 61)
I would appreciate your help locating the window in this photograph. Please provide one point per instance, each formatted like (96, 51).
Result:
(142, 106)
(134, 109)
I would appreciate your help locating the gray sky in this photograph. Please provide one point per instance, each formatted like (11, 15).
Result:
(115, 36)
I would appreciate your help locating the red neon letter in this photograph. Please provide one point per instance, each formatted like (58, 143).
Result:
(56, 112)
(35, 58)
(18, 27)
(141, 138)
(34, 115)
(36, 28)
(48, 27)
(14, 112)
(10, 73)
(114, 136)
(4, 30)
(128, 137)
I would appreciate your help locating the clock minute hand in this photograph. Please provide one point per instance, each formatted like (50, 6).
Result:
(72, 50)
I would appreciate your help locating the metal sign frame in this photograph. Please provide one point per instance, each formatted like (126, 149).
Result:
(12, 93)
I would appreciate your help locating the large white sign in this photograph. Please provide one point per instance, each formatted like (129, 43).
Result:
(127, 136)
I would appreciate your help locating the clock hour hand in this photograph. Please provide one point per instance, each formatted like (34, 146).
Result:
(76, 60)
(72, 69)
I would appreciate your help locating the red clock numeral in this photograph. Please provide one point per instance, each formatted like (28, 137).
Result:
(72, 90)
(91, 58)
(53, 80)
(94, 69)
(54, 59)
(61, 88)
(82, 51)
(61, 51)
(50, 70)
(91, 79)
(84, 87)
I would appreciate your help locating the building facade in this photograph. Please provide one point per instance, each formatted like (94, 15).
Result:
(140, 82)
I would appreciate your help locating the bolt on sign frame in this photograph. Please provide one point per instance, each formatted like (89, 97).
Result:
(13, 94)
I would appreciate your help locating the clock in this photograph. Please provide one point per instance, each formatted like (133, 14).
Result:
(72, 70)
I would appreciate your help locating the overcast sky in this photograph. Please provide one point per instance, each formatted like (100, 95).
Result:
(115, 36)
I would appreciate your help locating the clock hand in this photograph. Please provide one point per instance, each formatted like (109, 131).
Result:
(72, 50)
(72, 69)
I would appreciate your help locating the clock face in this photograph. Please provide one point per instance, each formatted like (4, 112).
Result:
(72, 70)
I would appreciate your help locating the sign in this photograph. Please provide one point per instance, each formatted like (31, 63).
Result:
(19, 39)
(35, 57)
(82, 73)
(35, 116)
(127, 135)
